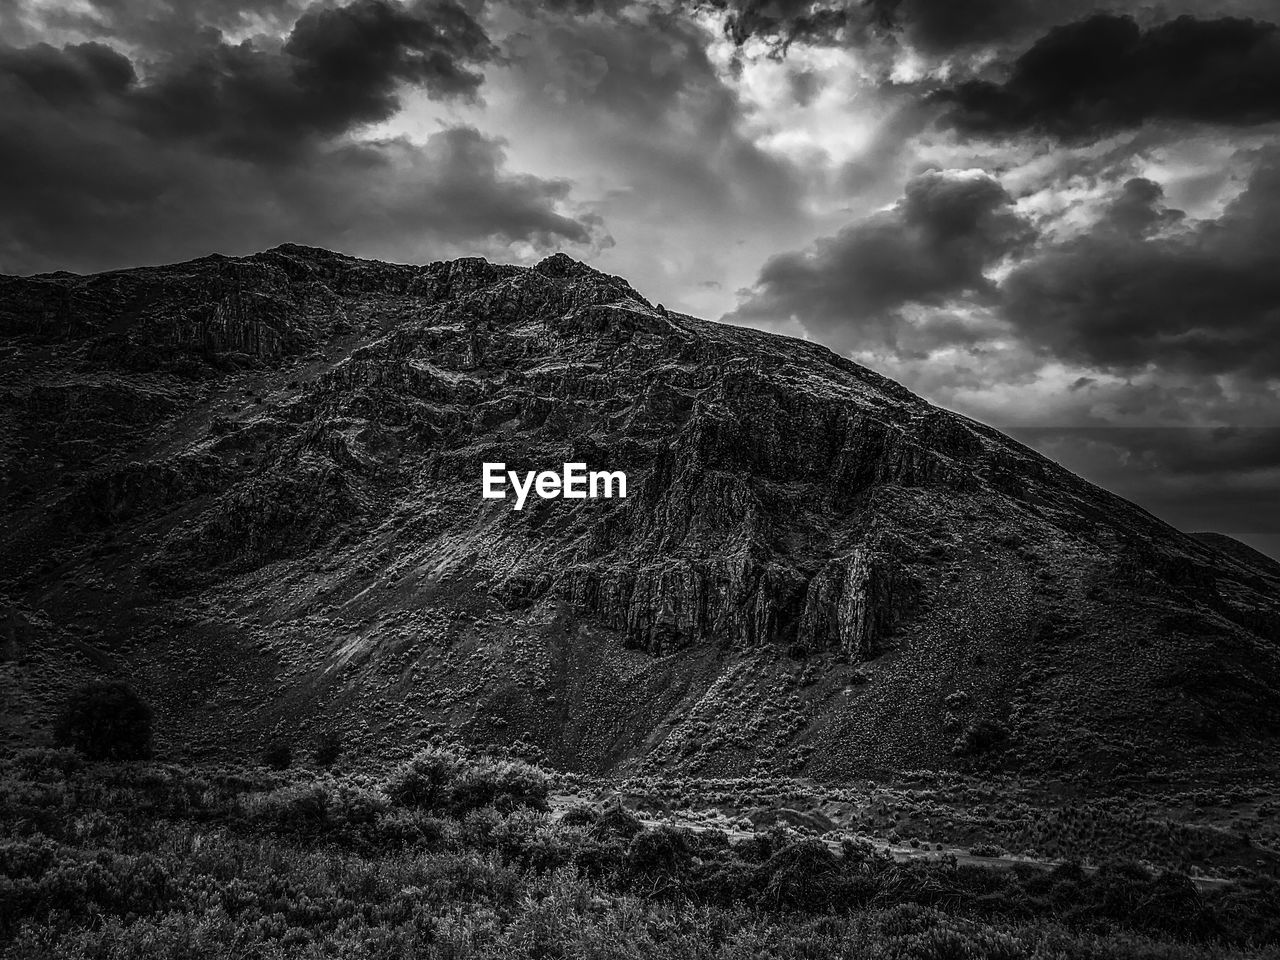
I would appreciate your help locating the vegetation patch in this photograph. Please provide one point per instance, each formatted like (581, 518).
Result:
(458, 856)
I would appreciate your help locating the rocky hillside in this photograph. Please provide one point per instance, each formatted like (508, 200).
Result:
(252, 486)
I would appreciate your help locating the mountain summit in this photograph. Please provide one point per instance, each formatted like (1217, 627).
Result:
(253, 487)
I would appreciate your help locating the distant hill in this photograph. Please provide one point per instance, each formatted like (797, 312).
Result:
(252, 487)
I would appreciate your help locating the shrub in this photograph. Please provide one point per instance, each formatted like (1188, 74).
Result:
(300, 805)
(424, 782)
(658, 852)
(277, 755)
(36, 762)
(581, 815)
(800, 875)
(987, 850)
(619, 821)
(158, 861)
(437, 779)
(503, 784)
(106, 720)
(356, 805)
(759, 847)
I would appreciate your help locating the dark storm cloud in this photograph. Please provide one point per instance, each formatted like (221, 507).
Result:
(90, 199)
(939, 27)
(933, 247)
(232, 147)
(158, 24)
(353, 55)
(1106, 73)
(1130, 293)
(787, 20)
(943, 26)
(339, 68)
(1139, 210)
(1140, 288)
(934, 26)
(79, 73)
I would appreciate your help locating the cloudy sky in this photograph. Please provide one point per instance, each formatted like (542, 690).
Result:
(1061, 218)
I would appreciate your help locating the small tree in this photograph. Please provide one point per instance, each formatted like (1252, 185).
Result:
(106, 720)
(328, 748)
(277, 755)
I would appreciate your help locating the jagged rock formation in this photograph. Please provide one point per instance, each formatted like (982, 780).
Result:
(254, 485)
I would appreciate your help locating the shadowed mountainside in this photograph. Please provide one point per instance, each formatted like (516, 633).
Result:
(252, 486)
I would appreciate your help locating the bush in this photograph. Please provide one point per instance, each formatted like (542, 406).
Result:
(106, 720)
(661, 851)
(158, 861)
(278, 755)
(987, 850)
(437, 779)
(425, 781)
(38, 762)
(581, 815)
(619, 821)
(800, 875)
(504, 784)
(298, 805)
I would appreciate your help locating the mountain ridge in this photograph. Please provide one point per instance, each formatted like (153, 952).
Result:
(262, 473)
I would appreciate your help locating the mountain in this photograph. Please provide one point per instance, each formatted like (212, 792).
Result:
(252, 486)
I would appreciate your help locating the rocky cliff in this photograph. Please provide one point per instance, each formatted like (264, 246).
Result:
(253, 486)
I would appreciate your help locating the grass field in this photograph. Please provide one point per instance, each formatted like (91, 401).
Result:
(456, 857)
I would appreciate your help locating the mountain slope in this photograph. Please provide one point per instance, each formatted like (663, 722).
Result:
(253, 486)
(1241, 552)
